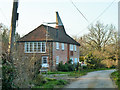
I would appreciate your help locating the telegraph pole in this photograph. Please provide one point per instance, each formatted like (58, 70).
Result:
(13, 29)
(119, 44)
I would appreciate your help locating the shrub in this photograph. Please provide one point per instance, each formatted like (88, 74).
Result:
(78, 66)
(113, 67)
(39, 80)
(61, 82)
(84, 67)
(66, 67)
(93, 62)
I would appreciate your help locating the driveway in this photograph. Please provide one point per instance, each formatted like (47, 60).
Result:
(96, 79)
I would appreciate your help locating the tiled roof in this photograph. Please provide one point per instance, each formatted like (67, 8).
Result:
(54, 35)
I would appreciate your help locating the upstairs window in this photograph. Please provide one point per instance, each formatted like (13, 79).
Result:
(71, 47)
(57, 45)
(75, 47)
(31, 47)
(43, 46)
(62, 46)
(35, 47)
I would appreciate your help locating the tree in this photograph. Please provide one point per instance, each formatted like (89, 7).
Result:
(99, 36)
(101, 41)
(7, 66)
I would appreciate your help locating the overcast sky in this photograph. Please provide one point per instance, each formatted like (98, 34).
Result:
(32, 13)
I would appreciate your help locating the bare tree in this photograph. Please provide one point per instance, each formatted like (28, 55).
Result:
(99, 36)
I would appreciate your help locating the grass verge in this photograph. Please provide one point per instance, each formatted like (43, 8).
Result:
(52, 83)
(114, 77)
(76, 73)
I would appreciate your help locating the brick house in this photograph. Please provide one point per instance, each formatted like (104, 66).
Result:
(51, 45)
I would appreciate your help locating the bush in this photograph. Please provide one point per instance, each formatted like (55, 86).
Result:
(39, 80)
(9, 73)
(113, 67)
(84, 67)
(61, 82)
(78, 66)
(93, 62)
(66, 67)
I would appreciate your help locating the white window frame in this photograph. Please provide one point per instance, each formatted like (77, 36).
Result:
(71, 47)
(57, 59)
(75, 47)
(72, 60)
(57, 45)
(76, 60)
(45, 64)
(46, 58)
(62, 44)
(28, 43)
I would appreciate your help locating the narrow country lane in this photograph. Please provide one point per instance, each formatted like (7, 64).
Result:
(96, 79)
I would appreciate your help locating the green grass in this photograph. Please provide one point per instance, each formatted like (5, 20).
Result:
(52, 83)
(76, 73)
(114, 76)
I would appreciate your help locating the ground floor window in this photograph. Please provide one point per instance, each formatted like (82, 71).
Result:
(57, 59)
(45, 61)
(72, 60)
(75, 61)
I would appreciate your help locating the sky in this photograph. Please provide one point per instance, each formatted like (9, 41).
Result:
(33, 13)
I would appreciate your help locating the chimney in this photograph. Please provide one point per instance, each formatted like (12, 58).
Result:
(58, 20)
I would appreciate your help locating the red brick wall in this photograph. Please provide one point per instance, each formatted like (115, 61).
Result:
(52, 52)
(59, 52)
(48, 53)
(63, 54)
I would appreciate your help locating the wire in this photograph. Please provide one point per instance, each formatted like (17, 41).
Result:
(4, 15)
(104, 11)
(99, 15)
(79, 11)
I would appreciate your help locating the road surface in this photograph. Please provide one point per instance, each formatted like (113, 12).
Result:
(96, 79)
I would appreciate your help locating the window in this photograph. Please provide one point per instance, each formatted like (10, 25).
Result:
(75, 48)
(62, 46)
(71, 47)
(43, 46)
(44, 60)
(57, 59)
(72, 60)
(75, 61)
(39, 46)
(33, 47)
(57, 45)
(26, 47)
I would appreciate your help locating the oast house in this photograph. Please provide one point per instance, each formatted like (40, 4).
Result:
(51, 44)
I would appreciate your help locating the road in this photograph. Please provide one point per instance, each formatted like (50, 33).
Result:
(96, 79)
